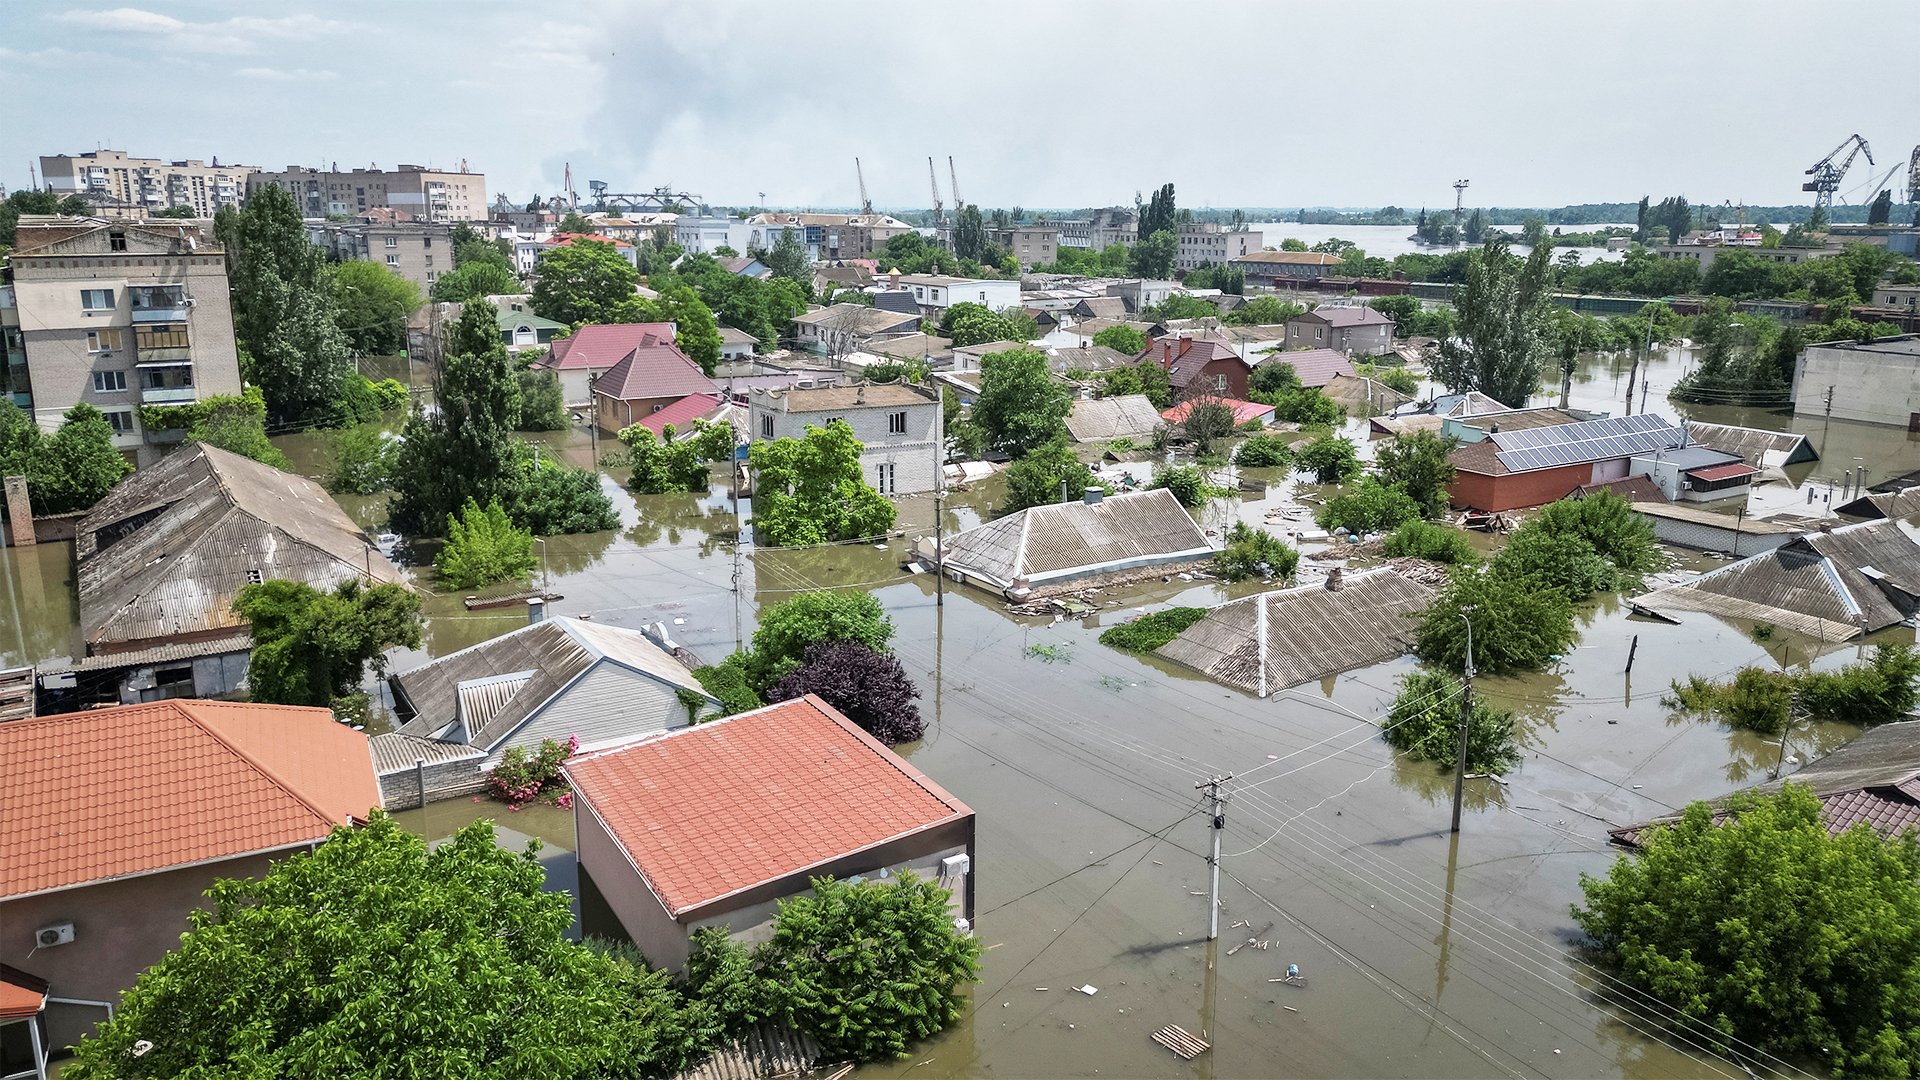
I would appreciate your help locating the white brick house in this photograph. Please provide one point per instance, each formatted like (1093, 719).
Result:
(899, 428)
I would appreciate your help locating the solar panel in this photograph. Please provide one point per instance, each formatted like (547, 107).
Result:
(1591, 440)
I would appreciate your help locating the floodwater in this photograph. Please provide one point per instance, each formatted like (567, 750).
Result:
(1425, 954)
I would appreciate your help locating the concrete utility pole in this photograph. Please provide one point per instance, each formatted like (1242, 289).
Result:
(1466, 712)
(593, 421)
(1217, 824)
(939, 546)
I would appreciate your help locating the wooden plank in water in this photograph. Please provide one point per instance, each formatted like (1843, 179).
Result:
(1181, 1042)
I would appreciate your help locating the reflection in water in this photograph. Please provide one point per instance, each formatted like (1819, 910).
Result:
(1433, 782)
(39, 604)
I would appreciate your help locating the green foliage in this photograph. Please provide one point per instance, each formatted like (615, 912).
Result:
(788, 629)
(1397, 379)
(475, 281)
(811, 490)
(901, 372)
(1146, 378)
(1036, 479)
(1020, 406)
(1228, 279)
(1559, 561)
(1755, 699)
(29, 201)
(543, 406)
(1418, 465)
(968, 323)
(364, 458)
(670, 464)
(969, 233)
(1270, 379)
(521, 777)
(1502, 308)
(731, 681)
(695, 332)
(1264, 311)
(1879, 690)
(310, 647)
(1208, 418)
(1425, 540)
(1424, 723)
(1516, 625)
(1583, 546)
(1152, 256)
(372, 304)
(1368, 507)
(237, 423)
(1264, 451)
(548, 498)
(1253, 552)
(323, 968)
(284, 311)
(69, 470)
(1767, 928)
(585, 281)
(788, 259)
(1181, 306)
(869, 969)
(1330, 458)
(483, 547)
(1124, 339)
(465, 450)
(1187, 482)
(1148, 632)
(1303, 405)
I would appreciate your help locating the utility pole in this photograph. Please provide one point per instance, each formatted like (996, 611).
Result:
(939, 546)
(1466, 712)
(1216, 825)
(593, 421)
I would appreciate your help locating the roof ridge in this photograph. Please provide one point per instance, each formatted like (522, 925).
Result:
(179, 705)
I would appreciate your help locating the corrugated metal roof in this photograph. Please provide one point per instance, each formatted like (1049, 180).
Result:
(766, 1051)
(1901, 504)
(1100, 419)
(1064, 540)
(395, 752)
(1758, 448)
(158, 654)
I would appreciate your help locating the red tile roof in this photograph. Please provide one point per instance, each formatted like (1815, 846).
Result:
(21, 994)
(602, 345)
(681, 413)
(708, 811)
(139, 788)
(1315, 367)
(654, 369)
(1184, 357)
(1722, 472)
(1243, 411)
(565, 238)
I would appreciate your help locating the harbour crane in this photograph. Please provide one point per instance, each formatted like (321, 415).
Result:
(955, 177)
(866, 204)
(1459, 194)
(1913, 176)
(1827, 171)
(933, 181)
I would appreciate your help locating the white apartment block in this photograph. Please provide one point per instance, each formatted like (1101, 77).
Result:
(427, 194)
(416, 250)
(902, 439)
(936, 293)
(1201, 244)
(135, 187)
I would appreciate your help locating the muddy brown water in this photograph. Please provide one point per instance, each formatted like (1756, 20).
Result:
(1425, 954)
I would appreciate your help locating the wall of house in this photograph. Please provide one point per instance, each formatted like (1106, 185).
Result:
(1515, 491)
(609, 704)
(1233, 372)
(612, 414)
(1310, 334)
(1873, 386)
(1365, 339)
(213, 677)
(915, 456)
(121, 928)
(1701, 537)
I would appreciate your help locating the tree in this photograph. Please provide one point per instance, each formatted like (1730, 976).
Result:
(870, 968)
(543, 406)
(1304, 405)
(788, 259)
(548, 498)
(1152, 256)
(237, 423)
(474, 280)
(483, 547)
(1753, 920)
(1146, 377)
(1418, 464)
(1517, 626)
(1292, 244)
(1252, 552)
(1208, 418)
(1425, 540)
(790, 628)
(364, 459)
(868, 687)
(1263, 451)
(967, 323)
(1367, 507)
(1047, 474)
(1424, 723)
(1502, 343)
(29, 201)
(284, 314)
(1264, 311)
(1021, 406)
(1187, 482)
(69, 470)
(1182, 306)
(1475, 228)
(969, 233)
(811, 490)
(1607, 524)
(465, 450)
(319, 969)
(311, 647)
(373, 304)
(694, 330)
(1271, 377)
(1123, 339)
(586, 281)
(667, 464)
(1330, 458)
(1159, 213)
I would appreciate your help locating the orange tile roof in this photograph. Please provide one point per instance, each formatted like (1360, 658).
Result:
(713, 809)
(139, 788)
(21, 994)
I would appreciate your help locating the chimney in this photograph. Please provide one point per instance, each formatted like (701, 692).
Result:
(1334, 584)
(860, 395)
(1094, 495)
(536, 610)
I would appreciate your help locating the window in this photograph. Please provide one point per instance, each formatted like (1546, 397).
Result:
(117, 241)
(120, 420)
(983, 296)
(107, 382)
(432, 276)
(105, 341)
(393, 241)
(160, 336)
(766, 427)
(426, 241)
(166, 378)
(883, 478)
(1319, 332)
(429, 260)
(393, 260)
(96, 299)
(897, 423)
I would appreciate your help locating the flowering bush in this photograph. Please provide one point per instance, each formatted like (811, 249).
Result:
(521, 778)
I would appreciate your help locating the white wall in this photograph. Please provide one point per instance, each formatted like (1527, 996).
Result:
(915, 456)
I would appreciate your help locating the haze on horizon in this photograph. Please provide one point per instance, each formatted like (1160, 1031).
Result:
(1066, 104)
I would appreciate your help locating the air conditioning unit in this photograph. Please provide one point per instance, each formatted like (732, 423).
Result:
(58, 934)
(955, 865)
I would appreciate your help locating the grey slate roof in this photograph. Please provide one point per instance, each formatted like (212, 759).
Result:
(1265, 643)
(493, 687)
(1067, 540)
(1100, 419)
(167, 550)
(1758, 448)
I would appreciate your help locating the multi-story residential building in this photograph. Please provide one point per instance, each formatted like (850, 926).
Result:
(1352, 331)
(1104, 229)
(827, 236)
(1704, 254)
(1203, 243)
(1270, 269)
(936, 293)
(1031, 245)
(419, 251)
(898, 425)
(527, 251)
(131, 186)
(427, 194)
(705, 232)
(118, 314)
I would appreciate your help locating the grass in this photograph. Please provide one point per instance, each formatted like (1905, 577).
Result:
(1148, 632)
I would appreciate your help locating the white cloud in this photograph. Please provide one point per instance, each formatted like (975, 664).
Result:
(286, 74)
(124, 19)
(239, 34)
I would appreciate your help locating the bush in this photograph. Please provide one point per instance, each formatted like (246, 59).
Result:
(1124, 339)
(1263, 452)
(521, 778)
(1036, 479)
(788, 629)
(1330, 458)
(1879, 691)
(1252, 552)
(236, 423)
(1558, 561)
(1418, 464)
(556, 500)
(1306, 406)
(1425, 540)
(1424, 723)
(1398, 379)
(1148, 632)
(483, 547)
(1368, 507)
(869, 688)
(1188, 484)
(1516, 625)
(363, 461)
(543, 407)
(1607, 523)
(1755, 700)
(731, 682)
(666, 464)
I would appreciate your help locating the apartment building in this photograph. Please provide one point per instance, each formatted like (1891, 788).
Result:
(135, 187)
(1031, 245)
(827, 236)
(419, 251)
(1201, 244)
(428, 194)
(117, 314)
(898, 426)
(1104, 229)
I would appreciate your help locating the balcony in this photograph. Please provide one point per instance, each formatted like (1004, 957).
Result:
(167, 395)
(177, 313)
(154, 355)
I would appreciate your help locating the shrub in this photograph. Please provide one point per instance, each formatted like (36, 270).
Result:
(1264, 451)
(1418, 464)
(870, 688)
(363, 461)
(552, 499)
(1368, 507)
(1425, 540)
(1425, 724)
(1558, 561)
(1606, 522)
(1307, 406)
(1036, 479)
(1517, 626)
(1207, 419)
(1879, 691)
(1252, 552)
(788, 629)
(1188, 484)
(483, 547)
(1148, 632)
(543, 407)
(521, 778)
(730, 681)
(1330, 458)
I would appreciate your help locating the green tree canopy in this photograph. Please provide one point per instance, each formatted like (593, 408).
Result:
(1424, 723)
(465, 450)
(788, 629)
(1037, 478)
(668, 464)
(311, 647)
(1517, 626)
(1020, 406)
(373, 304)
(284, 313)
(1330, 458)
(788, 260)
(1153, 255)
(1367, 507)
(237, 423)
(1159, 212)
(811, 490)
(483, 547)
(586, 281)
(1124, 339)
(1418, 464)
(969, 233)
(69, 470)
(1264, 311)
(1502, 308)
(473, 280)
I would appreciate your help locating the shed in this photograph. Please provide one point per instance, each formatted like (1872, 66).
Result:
(1059, 542)
(1128, 416)
(1706, 530)
(1265, 643)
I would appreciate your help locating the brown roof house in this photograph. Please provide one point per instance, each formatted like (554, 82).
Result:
(651, 376)
(1045, 546)
(1128, 416)
(1317, 368)
(162, 557)
(592, 350)
(714, 825)
(1200, 365)
(1348, 330)
(119, 819)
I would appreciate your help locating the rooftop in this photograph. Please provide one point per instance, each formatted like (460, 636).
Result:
(1533, 448)
(654, 368)
(602, 345)
(708, 811)
(840, 398)
(1314, 367)
(1757, 447)
(1101, 419)
(1904, 503)
(681, 413)
(1346, 316)
(1063, 540)
(1300, 258)
(858, 319)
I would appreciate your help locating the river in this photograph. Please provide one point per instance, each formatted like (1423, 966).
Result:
(1426, 954)
(1386, 241)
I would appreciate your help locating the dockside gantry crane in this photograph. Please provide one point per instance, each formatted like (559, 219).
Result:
(933, 181)
(1827, 171)
(866, 204)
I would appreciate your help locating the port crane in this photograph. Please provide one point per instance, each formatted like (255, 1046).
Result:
(866, 204)
(955, 177)
(1828, 170)
(1913, 176)
(933, 181)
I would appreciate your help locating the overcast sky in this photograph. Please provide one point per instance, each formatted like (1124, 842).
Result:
(1042, 103)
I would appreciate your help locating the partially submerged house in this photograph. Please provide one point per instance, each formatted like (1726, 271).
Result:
(593, 350)
(1696, 474)
(118, 820)
(653, 375)
(899, 426)
(1197, 365)
(163, 556)
(1050, 545)
(1346, 329)
(1316, 368)
(714, 825)
(1244, 412)
(1126, 416)
(1265, 643)
(1511, 469)
(1901, 504)
(1768, 451)
(1706, 530)
(1365, 397)
(557, 678)
(1834, 586)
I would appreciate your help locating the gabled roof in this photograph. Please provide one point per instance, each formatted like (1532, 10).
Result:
(1358, 395)
(1314, 367)
(1638, 488)
(1243, 411)
(1101, 307)
(1904, 503)
(1185, 357)
(1528, 449)
(167, 550)
(1065, 540)
(858, 319)
(493, 688)
(654, 369)
(709, 811)
(602, 345)
(136, 789)
(1100, 419)
(681, 414)
(1343, 317)
(1757, 447)
(1265, 643)
(1297, 258)
(733, 335)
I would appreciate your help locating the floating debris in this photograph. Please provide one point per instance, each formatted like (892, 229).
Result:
(1181, 1042)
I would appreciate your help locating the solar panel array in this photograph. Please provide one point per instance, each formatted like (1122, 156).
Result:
(1591, 440)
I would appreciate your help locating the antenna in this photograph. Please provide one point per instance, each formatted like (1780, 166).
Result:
(955, 177)
(866, 204)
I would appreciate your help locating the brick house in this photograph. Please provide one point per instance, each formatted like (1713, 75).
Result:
(1348, 330)
(1200, 365)
(1510, 470)
(653, 375)
(592, 350)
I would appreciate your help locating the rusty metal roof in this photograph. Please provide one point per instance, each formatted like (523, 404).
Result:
(168, 549)
(766, 1051)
